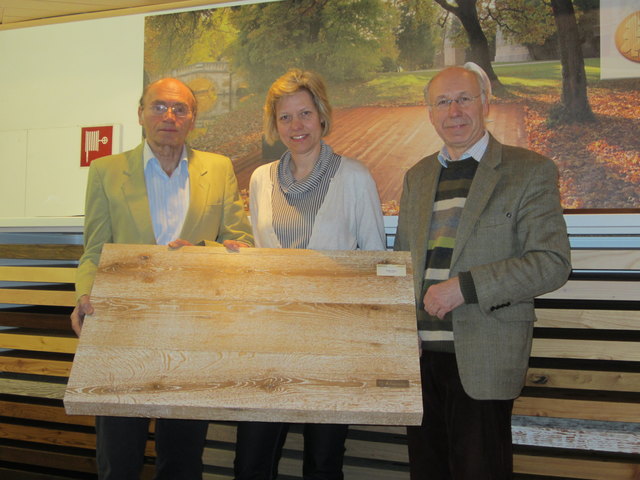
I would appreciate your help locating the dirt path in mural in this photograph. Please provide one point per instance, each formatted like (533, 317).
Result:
(390, 140)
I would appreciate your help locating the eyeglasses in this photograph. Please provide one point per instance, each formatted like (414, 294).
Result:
(179, 109)
(463, 101)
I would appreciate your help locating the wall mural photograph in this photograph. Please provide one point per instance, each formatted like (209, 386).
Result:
(565, 76)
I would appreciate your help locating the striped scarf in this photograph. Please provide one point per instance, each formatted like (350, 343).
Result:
(295, 204)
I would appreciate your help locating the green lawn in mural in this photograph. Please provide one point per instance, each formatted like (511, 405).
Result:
(231, 55)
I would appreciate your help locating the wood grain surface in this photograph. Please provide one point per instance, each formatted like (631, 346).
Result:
(260, 334)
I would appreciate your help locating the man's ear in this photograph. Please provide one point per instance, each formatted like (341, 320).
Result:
(430, 113)
(485, 108)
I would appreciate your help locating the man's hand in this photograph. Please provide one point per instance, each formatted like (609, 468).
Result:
(231, 245)
(234, 245)
(83, 308)
(443, 297)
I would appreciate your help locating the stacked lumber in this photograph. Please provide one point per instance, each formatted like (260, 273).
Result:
(579, 414)
(36, 436)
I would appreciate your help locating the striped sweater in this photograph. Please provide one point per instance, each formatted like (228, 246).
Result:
(451, 195)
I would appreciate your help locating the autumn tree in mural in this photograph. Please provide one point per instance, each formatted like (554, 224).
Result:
(173, 41)
(467, 13)
(574, 104)
(417, 34)
(342, 39)
(531, 22)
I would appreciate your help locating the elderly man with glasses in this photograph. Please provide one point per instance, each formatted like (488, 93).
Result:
(162, 192)
(486, 233)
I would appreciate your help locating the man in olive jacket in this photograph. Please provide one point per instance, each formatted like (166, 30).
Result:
(485, 229)
(162, 192)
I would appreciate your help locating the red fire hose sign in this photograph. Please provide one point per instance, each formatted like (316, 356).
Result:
(96, 142)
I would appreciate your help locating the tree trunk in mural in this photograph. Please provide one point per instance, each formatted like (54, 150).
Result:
(468, 15)
(574, 104)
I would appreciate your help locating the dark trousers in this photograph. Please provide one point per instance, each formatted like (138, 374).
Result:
(121, 443)
(460, 438)
(259, 447)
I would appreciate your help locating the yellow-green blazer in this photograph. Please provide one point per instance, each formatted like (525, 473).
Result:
(117, 207)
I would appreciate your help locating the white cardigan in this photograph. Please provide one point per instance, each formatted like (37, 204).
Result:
(349, 218)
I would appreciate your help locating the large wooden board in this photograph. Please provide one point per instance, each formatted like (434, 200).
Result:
(260, 334)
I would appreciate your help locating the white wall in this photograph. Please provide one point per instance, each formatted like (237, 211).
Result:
(54, 80)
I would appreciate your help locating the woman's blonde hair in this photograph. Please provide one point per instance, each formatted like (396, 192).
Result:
(291, 82)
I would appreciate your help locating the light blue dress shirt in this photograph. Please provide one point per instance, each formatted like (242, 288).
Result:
(168, 195)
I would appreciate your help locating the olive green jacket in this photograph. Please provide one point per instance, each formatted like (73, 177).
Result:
(117, 208)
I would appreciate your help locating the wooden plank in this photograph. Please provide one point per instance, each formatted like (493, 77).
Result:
(262, 334)
(205, 475)
(583, 379)
(605, 259)
(222, 432)
(46, 321)
(613, 437)
(38, 274)
(38, 343)
(593, 319)
(16, 473)
(19, 296)
(35, 366)
(65, 438)
(276, 275)
(389, 452)
(363, 471)
(44, 413)
(48, 459)
(355, 448)
(595, 290)
(41, 251)
(374, 460)
(583, 409)
(575, 468)
(293, 322)
(31, 388)
(28, 433)
(586, 349)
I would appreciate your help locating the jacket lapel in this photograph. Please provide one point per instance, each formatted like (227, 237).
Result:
(134, 190)
(482, 187)
(198, 192)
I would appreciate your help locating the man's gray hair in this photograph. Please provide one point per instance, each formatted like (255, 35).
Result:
(483, 79)
(481, 76)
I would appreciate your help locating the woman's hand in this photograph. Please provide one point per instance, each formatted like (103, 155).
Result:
(83, 308)
(179, 243)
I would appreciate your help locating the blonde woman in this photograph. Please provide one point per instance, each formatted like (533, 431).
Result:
(316, 199)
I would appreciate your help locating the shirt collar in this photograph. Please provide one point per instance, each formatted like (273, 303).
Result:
(476, 151)
(147, 155)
